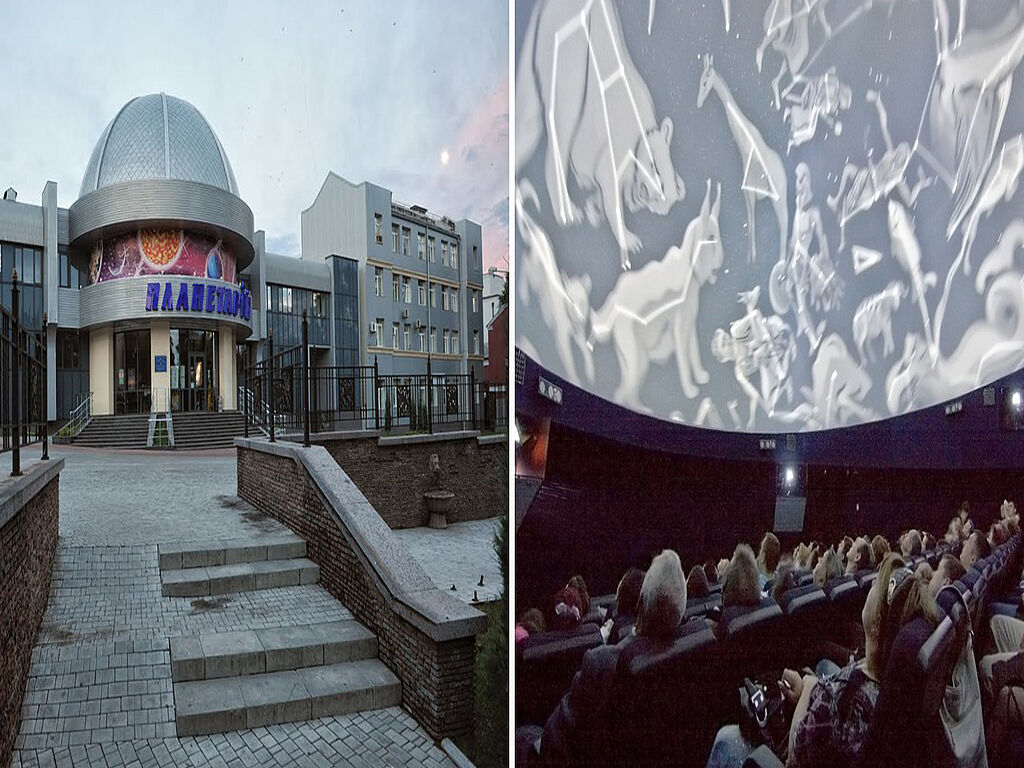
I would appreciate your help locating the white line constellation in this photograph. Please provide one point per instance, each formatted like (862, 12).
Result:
(570, 28)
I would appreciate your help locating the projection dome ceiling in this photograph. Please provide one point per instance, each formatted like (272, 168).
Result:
(771, 216)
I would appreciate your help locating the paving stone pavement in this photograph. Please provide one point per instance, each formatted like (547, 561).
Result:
(459, 555)
(99, 689)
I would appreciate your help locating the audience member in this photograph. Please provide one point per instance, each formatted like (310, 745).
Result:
(927, 542)
(924, 572)
(627, 598)
(946, 572)
(697, 586)
(879, 549)
(844, 547)
(568, 609)
(785, 578)
(975, 547)
(575, 732)
(577, 583)
(910, 543)
(720, 569)
(768, 558)
(530, 623)
(828, 568)
(998, 534)
(802, 557)
(740, 585)
(859, 556)
(831, 717)
(711, 572)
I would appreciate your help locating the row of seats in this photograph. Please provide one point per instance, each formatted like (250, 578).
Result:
(546, 663)
(671, 697)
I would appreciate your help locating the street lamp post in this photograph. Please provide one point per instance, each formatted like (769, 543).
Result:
(430, 337)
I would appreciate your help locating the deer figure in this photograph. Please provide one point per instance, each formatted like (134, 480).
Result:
(764, 175)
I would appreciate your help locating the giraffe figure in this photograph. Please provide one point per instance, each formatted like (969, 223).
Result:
(764, 175)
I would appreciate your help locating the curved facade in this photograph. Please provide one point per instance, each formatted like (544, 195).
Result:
(160, 234)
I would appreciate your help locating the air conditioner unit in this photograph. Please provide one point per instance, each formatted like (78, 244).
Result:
(373, 327)
(405, 314)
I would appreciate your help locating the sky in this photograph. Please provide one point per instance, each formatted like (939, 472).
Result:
(374, 91)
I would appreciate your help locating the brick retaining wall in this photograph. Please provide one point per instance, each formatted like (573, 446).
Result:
(28, 540)
(437, 673)
(394, 472)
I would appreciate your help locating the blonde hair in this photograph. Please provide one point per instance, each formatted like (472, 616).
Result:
(662, 597)
(828, 568)
(741, 585)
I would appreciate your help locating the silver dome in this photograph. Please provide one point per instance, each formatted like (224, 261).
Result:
(158, 137)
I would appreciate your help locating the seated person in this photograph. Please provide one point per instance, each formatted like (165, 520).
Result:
(720, 569)
(577, 583)
(1008, 636)
(910, 543)
(697, 587)
(568, 609)
(802, 557)
(828, 568)
(623, 617)
(786, 577)
(831, 717)
(844, 547)
(955, 531)
(924, 572)
(768, 558)
(530, 623)
(740, 584)
(858, 558)
(879, 549)
(975, 547)
(946, 572)
(711, 572)
(927, 542)
(998, 534)
(577, 731)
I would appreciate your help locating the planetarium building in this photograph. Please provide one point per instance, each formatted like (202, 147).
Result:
(154, 291)
(162, 233)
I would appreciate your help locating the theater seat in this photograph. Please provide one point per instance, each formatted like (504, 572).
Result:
(846, 601)
(656, 683)
(545, 665)
(701, 607)
(807, 613)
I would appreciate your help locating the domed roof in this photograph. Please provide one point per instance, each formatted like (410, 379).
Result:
(158, 137)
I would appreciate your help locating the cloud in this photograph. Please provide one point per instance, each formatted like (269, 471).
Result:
(373, 92)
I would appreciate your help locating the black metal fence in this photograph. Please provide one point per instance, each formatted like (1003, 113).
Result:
(347, 398)
(22, 382)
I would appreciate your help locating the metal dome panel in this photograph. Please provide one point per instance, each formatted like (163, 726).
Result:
(158, 137)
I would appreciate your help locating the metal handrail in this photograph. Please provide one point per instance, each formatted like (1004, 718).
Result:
(80, 416)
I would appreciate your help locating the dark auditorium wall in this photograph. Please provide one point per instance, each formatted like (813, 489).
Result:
(642, 484)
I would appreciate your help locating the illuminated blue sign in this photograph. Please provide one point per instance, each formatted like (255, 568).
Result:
(205, 297)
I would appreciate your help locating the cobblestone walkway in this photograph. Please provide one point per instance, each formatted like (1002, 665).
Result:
(99, 691)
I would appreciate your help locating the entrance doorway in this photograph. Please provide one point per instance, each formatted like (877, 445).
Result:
(194, 370)
(132, 380)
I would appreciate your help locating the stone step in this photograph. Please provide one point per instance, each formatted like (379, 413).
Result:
(239, 577)
(252, 652)
(250, 701)
(201, 554)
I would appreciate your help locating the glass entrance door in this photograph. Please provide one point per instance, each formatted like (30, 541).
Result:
(193, 370)
(132, 372)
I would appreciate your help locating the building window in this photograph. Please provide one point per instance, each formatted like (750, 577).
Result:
(433, 297)
(286, 299)
(407, 290)
(406, 233)
(378, 281)
(318, 308)
(455, 342)
(394, 288)
(454, 300)
(444, 298)
(394, 335)
(423, 340)
(476, 257)
(433, 339)
(474, 296)
(69, 275)
(476, 342)
(430, 248)
(422, 292)
(378, 332)
(378, 228)
(421, 245)
(406, 332)
(394, 238)
(433, 256)
(447, 342)
(455, 255)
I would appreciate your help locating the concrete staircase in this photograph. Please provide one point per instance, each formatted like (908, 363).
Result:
(224, 566)
(224, 681)
(115, 432)
(201, 429)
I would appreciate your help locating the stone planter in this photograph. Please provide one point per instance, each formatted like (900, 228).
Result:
(439, 504)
